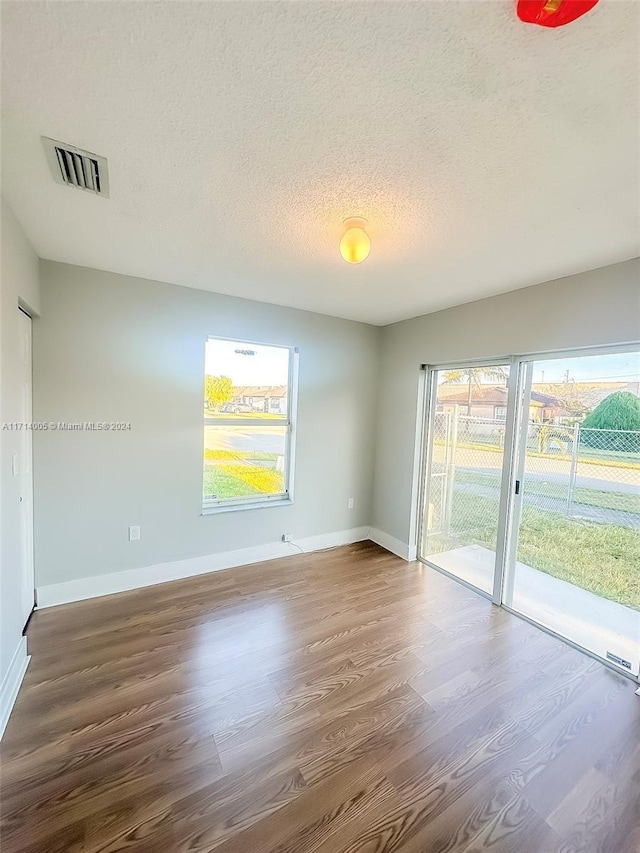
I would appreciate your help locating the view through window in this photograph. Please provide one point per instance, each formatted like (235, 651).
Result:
(571, 533)
(247, 423)
(576, 522)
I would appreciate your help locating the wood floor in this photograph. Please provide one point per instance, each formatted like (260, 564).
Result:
(340, 702)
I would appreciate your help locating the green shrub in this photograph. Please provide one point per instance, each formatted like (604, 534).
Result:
(619, 412)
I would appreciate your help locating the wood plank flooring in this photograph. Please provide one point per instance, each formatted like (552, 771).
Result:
(337, 702)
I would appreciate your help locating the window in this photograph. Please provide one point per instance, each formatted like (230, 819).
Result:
(501, 413)
(249, 409)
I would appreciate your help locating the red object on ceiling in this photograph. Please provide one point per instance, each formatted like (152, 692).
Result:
(553, 13)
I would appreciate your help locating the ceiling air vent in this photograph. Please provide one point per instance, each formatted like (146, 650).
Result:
(77, 168)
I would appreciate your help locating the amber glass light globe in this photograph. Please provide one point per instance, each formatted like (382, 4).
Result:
(355, 244)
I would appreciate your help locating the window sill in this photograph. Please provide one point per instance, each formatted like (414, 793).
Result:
(214, 510)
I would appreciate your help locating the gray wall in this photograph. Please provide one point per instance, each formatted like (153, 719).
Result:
(599, 307)
(114, 348)
(19, 285)
(110, 347)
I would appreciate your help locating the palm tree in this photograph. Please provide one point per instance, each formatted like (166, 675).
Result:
(473, 376)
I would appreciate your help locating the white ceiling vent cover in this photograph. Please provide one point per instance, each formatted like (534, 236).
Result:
(77, 168)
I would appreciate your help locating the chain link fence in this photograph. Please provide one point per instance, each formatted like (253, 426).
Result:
(584, 474)
(466, 462)
(588, 474)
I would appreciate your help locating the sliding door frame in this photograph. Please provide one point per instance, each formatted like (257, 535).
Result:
(520, 380)
(507, 484)
(505, 478)
(525, 375)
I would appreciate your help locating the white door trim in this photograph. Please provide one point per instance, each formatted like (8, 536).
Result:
(25, 470)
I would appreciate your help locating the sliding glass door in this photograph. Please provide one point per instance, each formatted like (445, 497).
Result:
(531, 492)
(574, 553)
(464, 471)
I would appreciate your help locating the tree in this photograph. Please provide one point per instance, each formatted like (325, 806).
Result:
(473, 376)
(619, 411)
(576, 397)
(217, 391)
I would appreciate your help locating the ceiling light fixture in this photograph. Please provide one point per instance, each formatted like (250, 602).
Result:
(355, 244)
(553, 13)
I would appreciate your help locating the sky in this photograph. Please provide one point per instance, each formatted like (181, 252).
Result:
(617, 367)
(267, 366)
(614, 367)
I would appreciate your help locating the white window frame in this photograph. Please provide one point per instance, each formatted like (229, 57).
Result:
(213, 506)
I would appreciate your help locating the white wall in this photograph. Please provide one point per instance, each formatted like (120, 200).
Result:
(595, 308)
(19, 284)
(115, 348)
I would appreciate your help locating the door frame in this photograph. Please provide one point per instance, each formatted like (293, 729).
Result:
(425, 466)
(27, 594)
(507, 535)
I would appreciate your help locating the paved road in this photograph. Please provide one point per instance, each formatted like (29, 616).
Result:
(594, 476)
(557, 505)
(268, 440)
(562, 480)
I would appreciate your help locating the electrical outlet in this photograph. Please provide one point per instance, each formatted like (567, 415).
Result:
(134, 533)
(287, 537)
(351, 503)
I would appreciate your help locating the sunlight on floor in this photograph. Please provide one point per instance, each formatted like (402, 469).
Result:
(594, 623)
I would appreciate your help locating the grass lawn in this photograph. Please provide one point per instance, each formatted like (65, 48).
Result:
(237, 474)
(602, 558)
(222, 454)
(225, 485)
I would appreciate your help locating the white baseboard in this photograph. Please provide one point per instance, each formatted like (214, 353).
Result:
(396, 546)
(12, 681)
(93, 587)
(333, 540)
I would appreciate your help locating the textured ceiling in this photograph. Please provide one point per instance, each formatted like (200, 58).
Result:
(486, 154)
